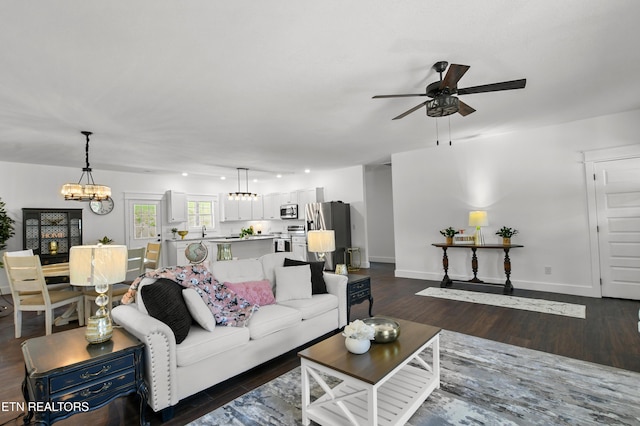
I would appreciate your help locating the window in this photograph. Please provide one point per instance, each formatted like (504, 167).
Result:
(200, 214)
(144, 220)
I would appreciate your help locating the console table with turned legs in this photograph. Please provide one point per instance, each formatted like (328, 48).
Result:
(446, 281)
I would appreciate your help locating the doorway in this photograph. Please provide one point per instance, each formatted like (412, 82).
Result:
(143, 219)
(614, 209)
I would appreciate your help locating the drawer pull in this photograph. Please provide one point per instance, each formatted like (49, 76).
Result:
(104, 387)
(88, 375)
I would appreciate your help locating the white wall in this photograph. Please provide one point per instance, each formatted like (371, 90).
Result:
(346, 185)
(532, 180)
(379, 198)
(27, 185)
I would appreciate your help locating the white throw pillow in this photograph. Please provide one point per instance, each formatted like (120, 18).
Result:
(198, 309)
(293, 282)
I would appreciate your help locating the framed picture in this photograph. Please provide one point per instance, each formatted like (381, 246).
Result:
(468, 239)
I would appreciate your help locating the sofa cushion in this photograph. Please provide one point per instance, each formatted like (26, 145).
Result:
(163, 300)
(198, 309)
(256, 292)
(272, 318)
(201, 344)
(317, 305)
(294, 282)
(237, 271)
(272, 261)
(318, 286)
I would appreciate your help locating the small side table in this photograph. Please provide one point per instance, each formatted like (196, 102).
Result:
(358, 290)
(64, 375)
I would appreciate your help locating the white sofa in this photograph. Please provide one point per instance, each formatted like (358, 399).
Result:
(206, 358)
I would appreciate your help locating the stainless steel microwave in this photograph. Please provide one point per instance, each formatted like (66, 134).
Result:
(289, 211)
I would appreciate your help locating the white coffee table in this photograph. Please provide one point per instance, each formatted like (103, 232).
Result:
(380, 387)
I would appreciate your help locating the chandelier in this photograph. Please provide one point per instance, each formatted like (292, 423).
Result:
(246, 195)
(89, 191)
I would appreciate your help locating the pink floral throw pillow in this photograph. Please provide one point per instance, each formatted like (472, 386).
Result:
(256, 292)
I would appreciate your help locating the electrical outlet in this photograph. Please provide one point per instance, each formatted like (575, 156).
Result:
(547, 270)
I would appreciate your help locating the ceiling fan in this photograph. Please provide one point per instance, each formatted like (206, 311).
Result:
(443, 102)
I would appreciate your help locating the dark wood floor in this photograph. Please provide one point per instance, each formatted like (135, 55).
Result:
(608, 336)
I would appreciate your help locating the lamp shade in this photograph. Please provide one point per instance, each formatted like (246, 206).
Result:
(321, 241)
(478, 218)
(97, 265)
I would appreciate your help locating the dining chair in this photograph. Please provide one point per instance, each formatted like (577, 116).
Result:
(152, 257)
(30, 293)
(135, 267)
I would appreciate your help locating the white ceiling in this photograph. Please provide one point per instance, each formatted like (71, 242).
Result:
(279, 86)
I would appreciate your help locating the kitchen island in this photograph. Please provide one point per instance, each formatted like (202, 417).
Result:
(241, 248)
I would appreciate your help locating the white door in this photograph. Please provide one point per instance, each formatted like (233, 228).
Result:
(143, 222)
(617, 185)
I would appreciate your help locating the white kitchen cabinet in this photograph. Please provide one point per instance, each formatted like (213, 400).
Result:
(257, 208)
(244, 209)
(230, 209)
(307, 196)
(241, 209)
(289, 197)
(176, 206)
(271, 206)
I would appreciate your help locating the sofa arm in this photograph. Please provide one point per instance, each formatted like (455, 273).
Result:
(337, 285)
(160, 354)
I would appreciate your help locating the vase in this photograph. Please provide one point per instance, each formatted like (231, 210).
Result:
(357, 346)
(449, 240)
(506, 241)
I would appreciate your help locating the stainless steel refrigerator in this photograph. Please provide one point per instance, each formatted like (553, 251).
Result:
(334, 215)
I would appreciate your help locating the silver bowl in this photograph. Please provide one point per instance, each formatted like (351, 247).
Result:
(386, 329)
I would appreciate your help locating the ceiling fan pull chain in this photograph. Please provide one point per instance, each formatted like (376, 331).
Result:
(449, 131)
(437, 134)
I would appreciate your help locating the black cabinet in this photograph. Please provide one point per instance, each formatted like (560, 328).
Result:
(50, 233)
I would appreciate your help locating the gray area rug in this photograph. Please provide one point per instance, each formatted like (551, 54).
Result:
(482, 383)
(535, 305)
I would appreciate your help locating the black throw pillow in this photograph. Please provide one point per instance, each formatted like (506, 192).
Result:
(163, 300)
(318, 286)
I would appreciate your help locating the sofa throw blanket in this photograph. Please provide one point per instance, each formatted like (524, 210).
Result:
(227, 307)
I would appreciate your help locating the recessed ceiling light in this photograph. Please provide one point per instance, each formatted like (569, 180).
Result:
(255, 180)
(307, 170)
(278, 175)
(223, 178)
(185, 174)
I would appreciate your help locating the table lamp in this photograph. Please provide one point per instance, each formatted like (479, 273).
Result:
(478, 219)
(321, 242)
(99, 266)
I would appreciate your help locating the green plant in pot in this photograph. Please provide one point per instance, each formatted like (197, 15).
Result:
(506, 233)
(105, 240)
(174, 231)
(6, 228)
(449, 233)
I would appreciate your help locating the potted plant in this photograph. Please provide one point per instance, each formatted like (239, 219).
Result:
(358, 336)
(449, 233)
(105, 240)
(173, 231)
(245, 232)
(506, 233)
(6, 228)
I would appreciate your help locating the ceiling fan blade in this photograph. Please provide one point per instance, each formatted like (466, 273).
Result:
(495, 87)
(398, 96)
(464, 109)
(454, 74)
(415, 108)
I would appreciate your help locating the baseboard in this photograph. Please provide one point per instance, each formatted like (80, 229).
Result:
(561, 288)
(382, 259)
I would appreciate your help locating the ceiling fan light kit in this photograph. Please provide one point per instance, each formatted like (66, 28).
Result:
(89, 191)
